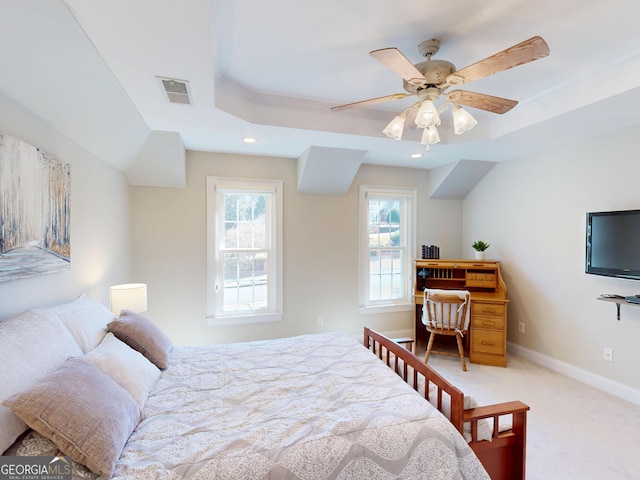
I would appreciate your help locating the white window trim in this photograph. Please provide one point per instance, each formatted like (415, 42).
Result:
(275, 314)
(402, 304)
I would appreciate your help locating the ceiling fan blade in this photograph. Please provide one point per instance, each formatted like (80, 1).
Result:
(481, 101)
(371, 101)
(396, 61)
(524, 52)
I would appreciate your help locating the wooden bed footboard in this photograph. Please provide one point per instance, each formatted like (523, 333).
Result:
(504, 456)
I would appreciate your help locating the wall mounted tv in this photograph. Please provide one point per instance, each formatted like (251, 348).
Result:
(613, 244)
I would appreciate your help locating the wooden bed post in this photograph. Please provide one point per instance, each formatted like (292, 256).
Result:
(366, 338)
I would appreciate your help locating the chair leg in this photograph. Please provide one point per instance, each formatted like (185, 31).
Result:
(461, 351)
(429, 346)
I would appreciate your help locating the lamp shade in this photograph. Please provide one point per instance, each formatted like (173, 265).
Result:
(128, 296)
(427, 115)
(430, 136)
(462, 121)
(395, 127)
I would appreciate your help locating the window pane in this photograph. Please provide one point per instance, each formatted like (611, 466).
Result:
(245, 281)
(384, 223)
(245, 220)
(245, 208)
(386, 275)
(374, 274)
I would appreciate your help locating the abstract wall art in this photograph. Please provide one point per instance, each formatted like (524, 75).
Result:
(35, 201)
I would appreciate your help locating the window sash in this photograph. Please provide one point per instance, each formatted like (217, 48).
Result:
(250, 290)
(385, 262)
(386, 282)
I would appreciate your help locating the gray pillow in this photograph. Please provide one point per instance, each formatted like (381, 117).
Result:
(142, 335)
(84, 412)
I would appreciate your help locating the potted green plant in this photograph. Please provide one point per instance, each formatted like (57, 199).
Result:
(479, 246)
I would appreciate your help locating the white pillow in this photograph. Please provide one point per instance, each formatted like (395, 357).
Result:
(485, 426)
(32, 344)
(86, 319)
(127, 367)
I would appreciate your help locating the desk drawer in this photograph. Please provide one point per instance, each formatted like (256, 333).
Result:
(488, 309)
(485, 321)
(480, 279)
(436, 264)
(488, 342)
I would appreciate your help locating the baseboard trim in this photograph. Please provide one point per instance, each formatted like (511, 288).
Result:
(605, 384)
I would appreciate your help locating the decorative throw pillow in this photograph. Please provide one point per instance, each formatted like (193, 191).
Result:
(32, 344)
(129, 368)
(84, 412)
(485, 426)
(140, 334)
(86, 319)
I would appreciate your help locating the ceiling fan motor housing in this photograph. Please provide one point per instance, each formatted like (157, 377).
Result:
(435, 73)
(429, 47)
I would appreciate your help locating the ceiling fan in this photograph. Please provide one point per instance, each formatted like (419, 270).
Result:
(431, 78)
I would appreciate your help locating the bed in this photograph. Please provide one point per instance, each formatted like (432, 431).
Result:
(118, 398)
(496, 433)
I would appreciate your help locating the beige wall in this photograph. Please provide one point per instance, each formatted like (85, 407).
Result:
(320, 250)
(532, 211)
(100, 225)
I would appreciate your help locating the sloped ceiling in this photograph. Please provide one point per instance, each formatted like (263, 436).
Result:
(272, 70)
(456, 180)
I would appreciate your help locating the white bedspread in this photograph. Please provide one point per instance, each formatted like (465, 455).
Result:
(308, 407)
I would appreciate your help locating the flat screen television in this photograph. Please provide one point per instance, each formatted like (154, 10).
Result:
(613, 244)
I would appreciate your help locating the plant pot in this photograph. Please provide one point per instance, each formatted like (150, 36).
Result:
(479, 255)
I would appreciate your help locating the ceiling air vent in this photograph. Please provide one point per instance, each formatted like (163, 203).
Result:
(176, 91)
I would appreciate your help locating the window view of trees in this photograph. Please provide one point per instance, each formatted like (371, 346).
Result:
(386, 269)
(245, 252)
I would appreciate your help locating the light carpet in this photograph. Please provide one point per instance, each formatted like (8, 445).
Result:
(575, 431)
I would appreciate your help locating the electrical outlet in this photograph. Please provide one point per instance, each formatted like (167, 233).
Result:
(521, 327)
(320, 321)
(608, 354)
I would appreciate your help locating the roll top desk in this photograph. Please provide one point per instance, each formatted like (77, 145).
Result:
(487, 336)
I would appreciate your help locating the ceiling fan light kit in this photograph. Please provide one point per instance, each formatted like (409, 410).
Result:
(430, 79)
(395, 127)
(462, 120)
(427, 115)
(430, 136)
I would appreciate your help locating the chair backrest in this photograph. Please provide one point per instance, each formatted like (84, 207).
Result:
(446, 309)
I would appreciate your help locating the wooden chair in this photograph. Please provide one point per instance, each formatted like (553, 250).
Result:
(446, 312)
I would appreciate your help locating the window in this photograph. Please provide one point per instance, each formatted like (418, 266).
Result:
(244, 250)
(386, 226)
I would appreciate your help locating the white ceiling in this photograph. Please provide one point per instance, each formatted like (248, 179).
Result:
(272, 69)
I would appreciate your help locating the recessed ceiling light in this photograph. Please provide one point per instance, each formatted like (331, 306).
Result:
(416, 155)
(249, 140)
